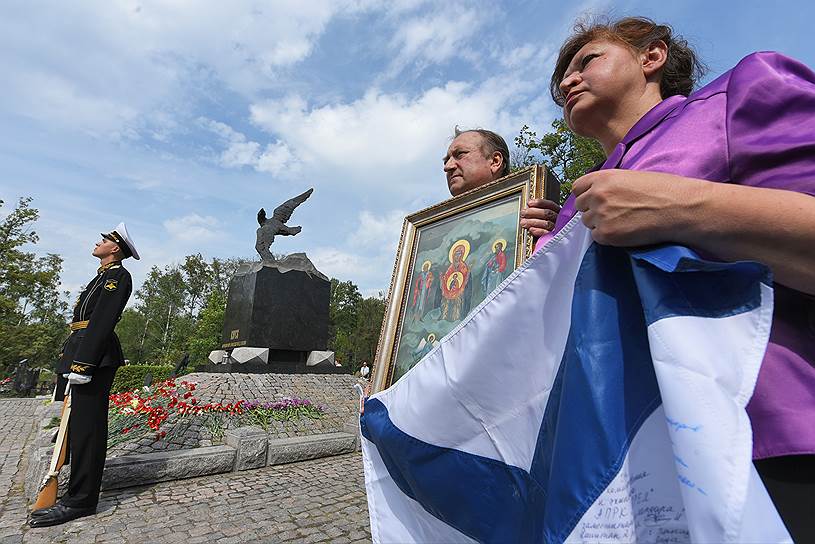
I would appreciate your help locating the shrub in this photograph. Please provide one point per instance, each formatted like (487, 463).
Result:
(46, 381)
(130, 377)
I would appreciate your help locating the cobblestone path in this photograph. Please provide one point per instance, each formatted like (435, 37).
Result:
(313, 501)
(16, 427)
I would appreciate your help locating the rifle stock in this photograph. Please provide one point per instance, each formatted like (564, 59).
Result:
(47, 496)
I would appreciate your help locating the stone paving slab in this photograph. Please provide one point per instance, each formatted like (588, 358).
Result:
(311, 501)
(17, 425)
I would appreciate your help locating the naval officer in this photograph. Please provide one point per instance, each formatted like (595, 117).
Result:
(88, 362)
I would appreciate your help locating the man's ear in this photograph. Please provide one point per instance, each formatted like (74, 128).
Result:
(496, 162)
(116, 249)
(654, 58)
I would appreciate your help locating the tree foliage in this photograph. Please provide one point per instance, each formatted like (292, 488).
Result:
(33, 311)
(566, 154)
(354, 323)
(178, 309)
(209, 326)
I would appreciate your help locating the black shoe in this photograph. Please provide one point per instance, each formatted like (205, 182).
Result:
(57, 514)
(43, 511)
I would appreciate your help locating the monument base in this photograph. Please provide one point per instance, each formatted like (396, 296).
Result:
(281, 305)
(272, 368)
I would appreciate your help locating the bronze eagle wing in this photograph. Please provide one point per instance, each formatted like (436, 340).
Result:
(284, 211)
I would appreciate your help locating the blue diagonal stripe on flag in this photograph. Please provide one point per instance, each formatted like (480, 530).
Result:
(580, 447)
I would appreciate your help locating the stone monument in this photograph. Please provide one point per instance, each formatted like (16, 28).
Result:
(25, 378)
(277, 311)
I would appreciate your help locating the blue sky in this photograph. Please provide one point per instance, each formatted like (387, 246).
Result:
(184, 118)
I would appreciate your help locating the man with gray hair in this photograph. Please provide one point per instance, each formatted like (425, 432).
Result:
(478, 156)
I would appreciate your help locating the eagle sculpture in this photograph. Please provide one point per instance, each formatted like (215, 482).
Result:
(277, 225)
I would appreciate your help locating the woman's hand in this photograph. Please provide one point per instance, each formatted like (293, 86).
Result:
(728, 221)
(633, 208)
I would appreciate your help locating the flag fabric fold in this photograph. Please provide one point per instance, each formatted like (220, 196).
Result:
(597, 395)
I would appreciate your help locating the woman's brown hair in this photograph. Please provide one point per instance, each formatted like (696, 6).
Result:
(679, 75)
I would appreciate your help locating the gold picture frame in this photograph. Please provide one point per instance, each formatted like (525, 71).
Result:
(450, 256)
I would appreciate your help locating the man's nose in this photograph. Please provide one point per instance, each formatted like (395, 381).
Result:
(450, 164)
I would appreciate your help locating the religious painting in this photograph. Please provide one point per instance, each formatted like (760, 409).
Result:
(451, 256)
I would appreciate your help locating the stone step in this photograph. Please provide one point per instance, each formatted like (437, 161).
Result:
(302, 448)
(148, 468)
(246, 448)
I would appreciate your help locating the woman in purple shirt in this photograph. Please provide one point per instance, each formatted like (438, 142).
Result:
(628, 85)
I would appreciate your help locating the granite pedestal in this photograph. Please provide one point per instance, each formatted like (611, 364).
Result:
(281, 305)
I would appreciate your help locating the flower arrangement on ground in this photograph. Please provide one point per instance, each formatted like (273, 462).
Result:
(171, 407)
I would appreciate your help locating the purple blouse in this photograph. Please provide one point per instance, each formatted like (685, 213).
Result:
(755, 126)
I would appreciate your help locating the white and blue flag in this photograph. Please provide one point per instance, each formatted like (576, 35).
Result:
(598, 395)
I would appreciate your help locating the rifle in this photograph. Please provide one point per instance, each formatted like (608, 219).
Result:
(47, 497)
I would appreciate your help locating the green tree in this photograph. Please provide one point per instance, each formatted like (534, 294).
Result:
(132, 331)
(566, 154)
(345, 299)
(33, 311)
(179, 309)
(198, 277)
(162, 301)
(208, 328)
(355, 324)
(222, 271)
(370, 312)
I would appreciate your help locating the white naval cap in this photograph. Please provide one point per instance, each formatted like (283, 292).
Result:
(122, 237)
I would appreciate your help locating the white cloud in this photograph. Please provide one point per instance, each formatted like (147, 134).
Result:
(380, 232)
(436, 37)
(223, 130)
(274, 158)
(369, 258)
(240, 154)
(336, 263)
(370, 273)
(192, 228)
(138, 77)
(522, 56)
(58, 100)
(390, 145)
(378, 133)
(112, 68)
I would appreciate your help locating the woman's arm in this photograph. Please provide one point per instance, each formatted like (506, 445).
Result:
(731, 222)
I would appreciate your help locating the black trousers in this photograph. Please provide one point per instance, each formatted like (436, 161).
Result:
(88, 438)
(790, 481)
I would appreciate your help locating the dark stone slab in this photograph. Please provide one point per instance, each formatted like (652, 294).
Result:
(147, 468)
(303, 448)
(281, 305)
(274, 368)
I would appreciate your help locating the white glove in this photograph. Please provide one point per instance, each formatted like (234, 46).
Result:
(78, 379)
(66, 375)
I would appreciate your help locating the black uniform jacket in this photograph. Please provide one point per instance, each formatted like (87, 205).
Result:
(92, 343)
